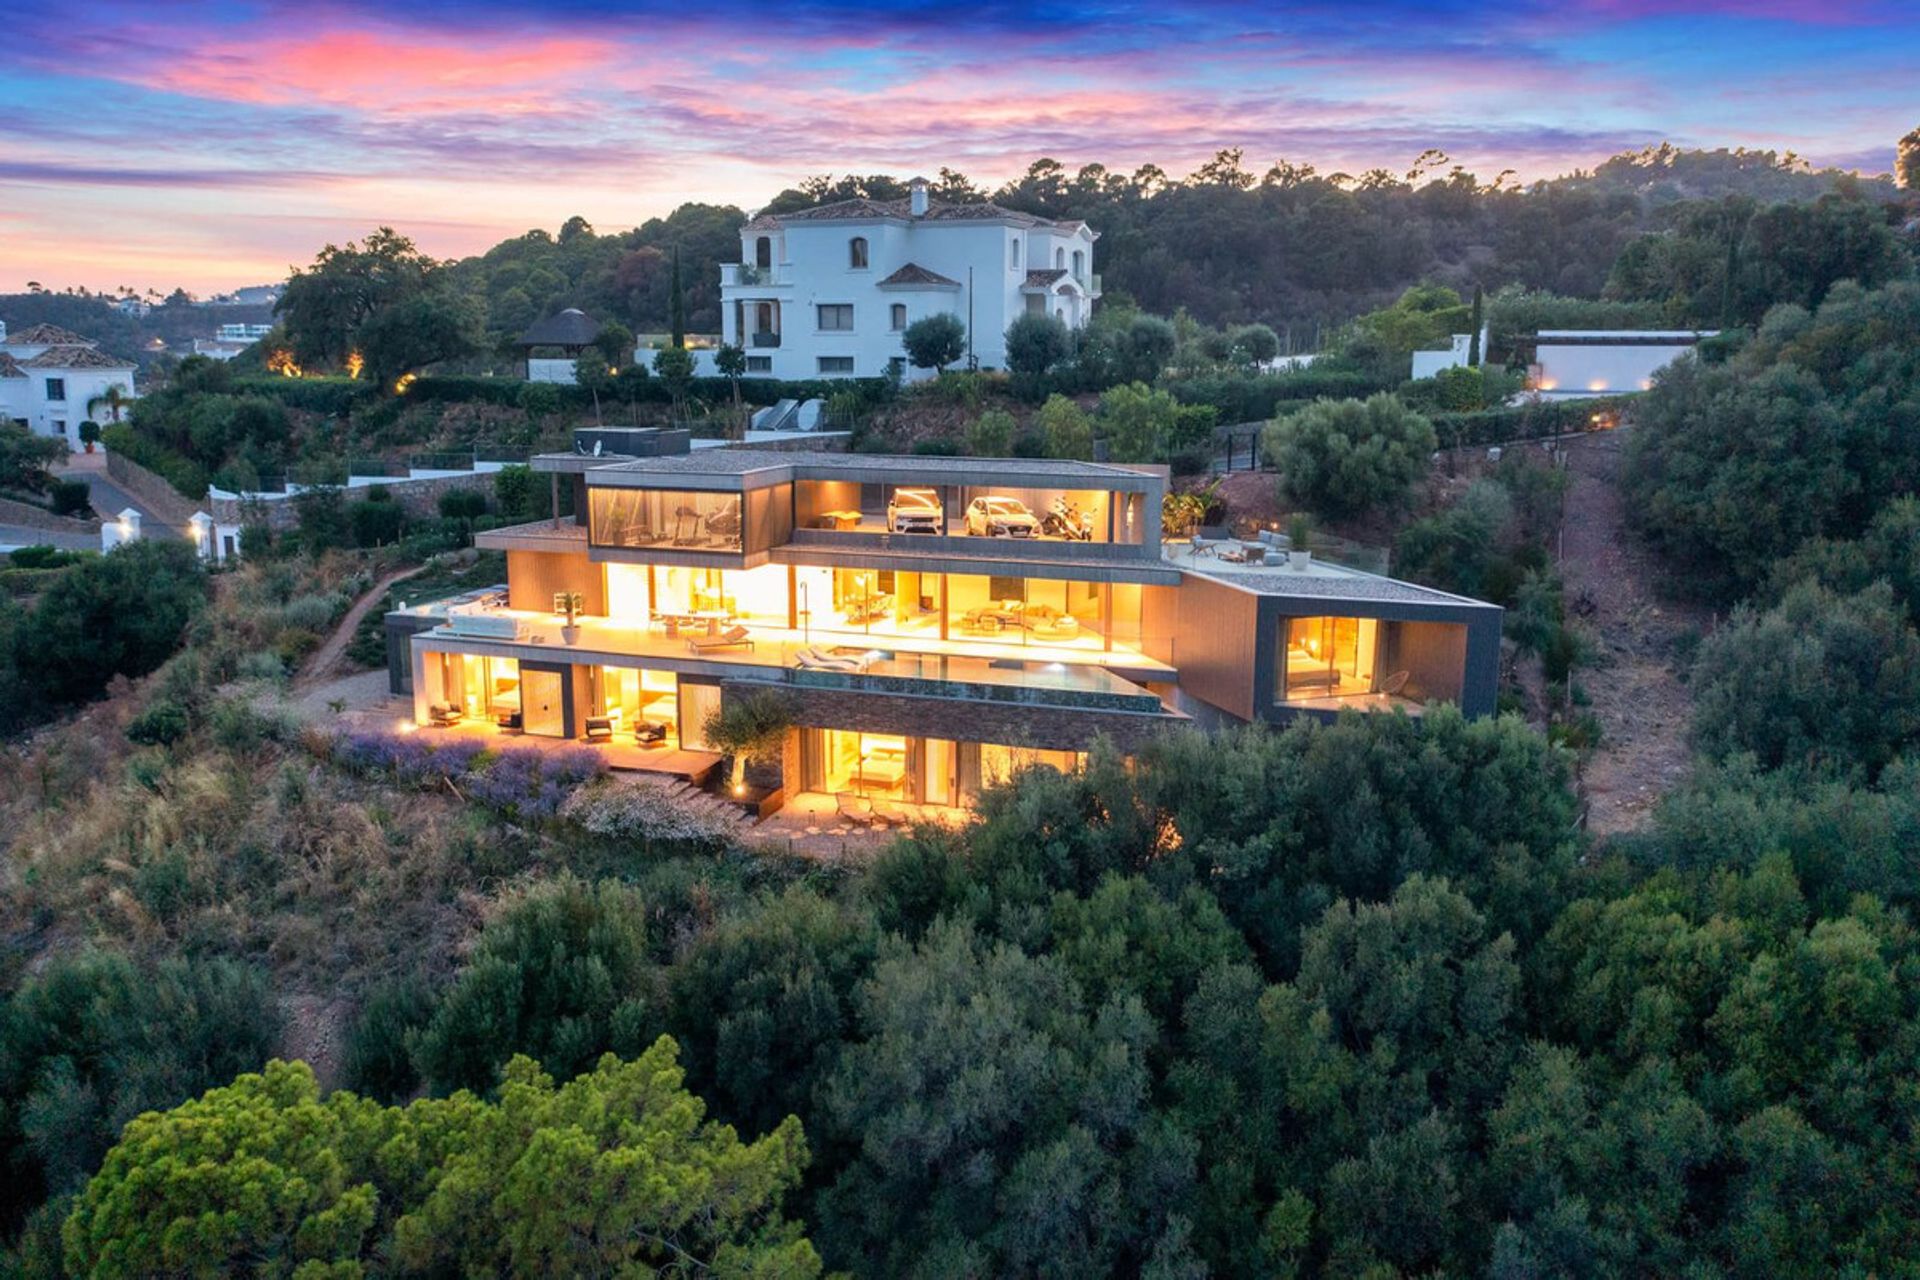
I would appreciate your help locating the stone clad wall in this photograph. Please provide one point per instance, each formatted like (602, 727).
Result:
(419, 497)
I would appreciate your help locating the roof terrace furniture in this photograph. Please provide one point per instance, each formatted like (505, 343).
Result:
(509, 721)
(650, 733)
(600, 728)
(1394, 683)
(841, 520)
(732, 638)
(445, 713)
(855, 809)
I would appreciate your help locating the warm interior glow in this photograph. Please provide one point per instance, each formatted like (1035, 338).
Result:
(280, 361)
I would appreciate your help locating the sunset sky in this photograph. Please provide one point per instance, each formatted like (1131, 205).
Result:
(212, 145)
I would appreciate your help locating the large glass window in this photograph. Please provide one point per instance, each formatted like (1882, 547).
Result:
(1369, 663)
(640, 702)
(689, 520)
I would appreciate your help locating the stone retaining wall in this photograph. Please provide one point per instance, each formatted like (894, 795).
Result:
(166, 503)
(32, 517)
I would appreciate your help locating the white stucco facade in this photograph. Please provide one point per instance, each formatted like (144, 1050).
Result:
(828, 292)
(51, 380)
(1571, 363)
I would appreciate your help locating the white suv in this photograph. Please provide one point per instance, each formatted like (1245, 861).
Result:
(914, 511)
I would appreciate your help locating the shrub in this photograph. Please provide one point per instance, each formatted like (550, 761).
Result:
(1819, 680)
(378, 520)
(159, 725)
(117, 614)
(44, 557)
(93, 1041)
(991, 434)
(561, 974)
(463, 504)
(648, 812)
(1068, 430)
(1137, 421)
(183, 474)
(1343, 457)
(378, 1061)
(70, 498)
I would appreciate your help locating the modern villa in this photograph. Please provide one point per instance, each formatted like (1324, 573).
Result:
(828, 291)
(934, 622)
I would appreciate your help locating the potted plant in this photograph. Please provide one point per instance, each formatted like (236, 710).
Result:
(89, 434)
(569, 603)
(1299, 554)
(750, 729)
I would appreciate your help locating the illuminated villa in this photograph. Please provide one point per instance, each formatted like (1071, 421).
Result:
(934, 622)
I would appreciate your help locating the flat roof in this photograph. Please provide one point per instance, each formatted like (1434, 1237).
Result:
(1321, 580)
(770, 466)
(1618, 337)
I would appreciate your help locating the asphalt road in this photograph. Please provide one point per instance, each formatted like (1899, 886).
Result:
(109, 499)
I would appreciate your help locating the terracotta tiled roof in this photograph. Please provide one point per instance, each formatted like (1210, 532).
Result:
(861, 209)
(1041, 279)
(47, 335)
(75, 357)
(914, 273)
(9, 367)
(571, 328)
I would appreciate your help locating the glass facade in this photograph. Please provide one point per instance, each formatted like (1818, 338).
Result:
(909, 770)
(673, 519)
(982, 511)
(1333, 662)
(1045, 613)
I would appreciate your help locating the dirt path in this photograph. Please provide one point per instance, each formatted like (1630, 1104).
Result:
(328, 655)
(1642, 705)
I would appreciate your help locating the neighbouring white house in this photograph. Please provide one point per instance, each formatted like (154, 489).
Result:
(828, 291)
(1569, 364)
(52, 380)
(1428, 364)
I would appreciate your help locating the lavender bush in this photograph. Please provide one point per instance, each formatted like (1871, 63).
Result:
(524, 783)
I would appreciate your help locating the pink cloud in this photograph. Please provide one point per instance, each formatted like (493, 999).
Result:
(381, 71)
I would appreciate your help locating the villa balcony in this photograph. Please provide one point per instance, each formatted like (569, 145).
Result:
(764, 340)
(744, 275)
(970, 670)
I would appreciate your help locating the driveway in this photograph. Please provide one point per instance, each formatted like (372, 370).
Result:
(109, 499)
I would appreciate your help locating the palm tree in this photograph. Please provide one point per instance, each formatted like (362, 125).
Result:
(114, 397)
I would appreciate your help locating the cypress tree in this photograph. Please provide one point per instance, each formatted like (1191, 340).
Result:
(679, 312)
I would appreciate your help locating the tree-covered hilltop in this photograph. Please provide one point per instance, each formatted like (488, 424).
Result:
(1230, 243)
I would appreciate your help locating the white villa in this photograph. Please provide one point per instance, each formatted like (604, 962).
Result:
(52, 379)
(828, 291)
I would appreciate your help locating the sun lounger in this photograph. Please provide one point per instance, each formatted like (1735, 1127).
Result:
(855, 809)
(732, 638)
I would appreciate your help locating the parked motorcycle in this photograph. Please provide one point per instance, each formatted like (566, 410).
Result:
(1064, 519)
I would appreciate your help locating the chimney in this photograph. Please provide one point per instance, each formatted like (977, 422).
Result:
(917, 197)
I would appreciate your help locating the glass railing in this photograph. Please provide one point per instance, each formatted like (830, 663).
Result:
(1059, 684)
